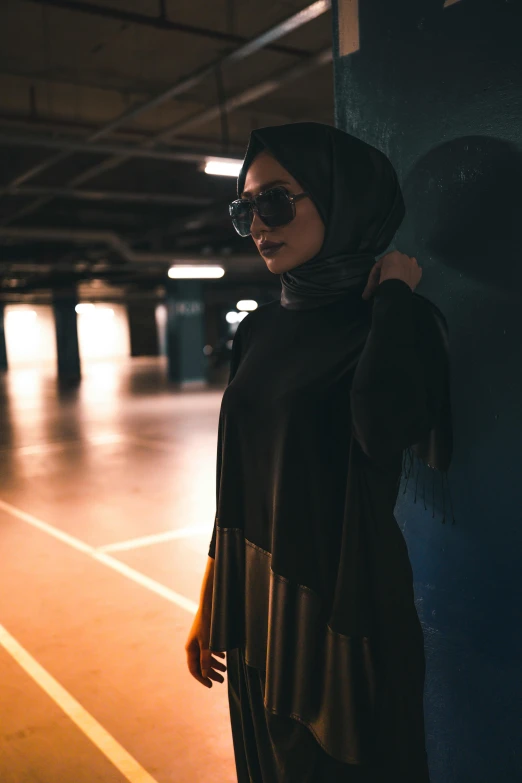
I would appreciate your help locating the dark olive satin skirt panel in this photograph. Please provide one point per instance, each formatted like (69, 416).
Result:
(273, 749)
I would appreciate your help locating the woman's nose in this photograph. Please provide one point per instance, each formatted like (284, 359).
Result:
(257, 224)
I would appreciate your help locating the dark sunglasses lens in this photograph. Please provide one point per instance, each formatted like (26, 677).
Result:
(241, 214)
(274, 208)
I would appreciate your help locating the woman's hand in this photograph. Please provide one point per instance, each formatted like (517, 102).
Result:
(394, 265)
(200, 661)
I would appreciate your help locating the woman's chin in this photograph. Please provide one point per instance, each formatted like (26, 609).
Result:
(278, 264)
(274, 266)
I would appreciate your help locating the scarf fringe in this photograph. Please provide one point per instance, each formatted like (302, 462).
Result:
(407, 466)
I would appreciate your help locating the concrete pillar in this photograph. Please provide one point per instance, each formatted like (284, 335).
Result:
(161, 323)
(68, 354)
(185, 331)
(3, 348)
(143, 329)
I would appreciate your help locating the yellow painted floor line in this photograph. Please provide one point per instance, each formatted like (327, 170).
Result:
(100, 737)
(102, 557)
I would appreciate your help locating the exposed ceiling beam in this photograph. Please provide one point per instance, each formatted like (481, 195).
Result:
(307, 14)
(107, 195)
(250, 95)
(58, 126)
(243, 98)
(216, 212)
(161, 23)
(73, 145)
(113, 241)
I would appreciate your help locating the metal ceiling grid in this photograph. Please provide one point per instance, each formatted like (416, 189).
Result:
(144, 76)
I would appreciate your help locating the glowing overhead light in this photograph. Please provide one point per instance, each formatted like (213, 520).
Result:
(247, 304)
(84, 307)
(21, 316)
(93, 311)
(224, 167)
(234, 318)
(194, 272)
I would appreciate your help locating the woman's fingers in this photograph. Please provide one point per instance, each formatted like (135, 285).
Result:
(210, 665)
(212, 675)
(195, 670)
(218, 664)
(373, 279)
(200, 660)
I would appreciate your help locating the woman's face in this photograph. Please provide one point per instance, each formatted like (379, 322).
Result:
(303, 237)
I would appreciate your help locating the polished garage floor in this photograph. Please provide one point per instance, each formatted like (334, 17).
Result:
(107, 500)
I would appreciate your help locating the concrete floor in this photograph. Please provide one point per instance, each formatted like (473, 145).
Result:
(93, 678)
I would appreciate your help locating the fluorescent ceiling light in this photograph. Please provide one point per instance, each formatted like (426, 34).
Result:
(224, 167)
(21, 315)
(194, 272)
(87, 308)
(233, 317)
(246, 304)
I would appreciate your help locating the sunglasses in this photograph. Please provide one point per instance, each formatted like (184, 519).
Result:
(275, 207)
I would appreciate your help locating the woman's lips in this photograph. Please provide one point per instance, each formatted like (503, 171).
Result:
(272, 250)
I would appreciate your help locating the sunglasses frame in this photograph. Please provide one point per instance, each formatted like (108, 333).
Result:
(291, 197)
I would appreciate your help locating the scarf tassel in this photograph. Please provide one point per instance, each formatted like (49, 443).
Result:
(407, 465)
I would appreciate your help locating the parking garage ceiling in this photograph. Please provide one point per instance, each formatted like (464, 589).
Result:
(107, 111)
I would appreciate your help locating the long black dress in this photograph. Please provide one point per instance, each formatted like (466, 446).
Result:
(306, 433)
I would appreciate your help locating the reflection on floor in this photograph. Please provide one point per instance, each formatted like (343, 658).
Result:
(107, 499)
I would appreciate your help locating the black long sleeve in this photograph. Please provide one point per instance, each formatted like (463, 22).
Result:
(238, 347)
(399, 381)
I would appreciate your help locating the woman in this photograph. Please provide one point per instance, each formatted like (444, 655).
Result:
(309, 588)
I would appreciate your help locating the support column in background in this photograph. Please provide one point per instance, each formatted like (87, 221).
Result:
(67, 349)
(3, 347)
(143, 329)
(185, 331)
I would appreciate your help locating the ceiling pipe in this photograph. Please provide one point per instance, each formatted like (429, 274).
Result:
(198, 219)
(201, 146)
(247, 96)
(160, 23)
(307, 14)
(108, 195)
(74, 236)
(72, 145)
(115, 242)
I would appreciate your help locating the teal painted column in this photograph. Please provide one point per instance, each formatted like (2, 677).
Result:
(185, 331)
(3, 347)
(68, 354)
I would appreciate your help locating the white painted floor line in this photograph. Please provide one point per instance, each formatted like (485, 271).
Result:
(100, 737)
(43, 448)
(49, 529)
(61, 445)
(92, 440)
(154, 538)
(150, 443)
(102, 557)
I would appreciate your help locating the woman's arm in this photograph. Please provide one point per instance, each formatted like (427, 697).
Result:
(207, 588)
(399, 381)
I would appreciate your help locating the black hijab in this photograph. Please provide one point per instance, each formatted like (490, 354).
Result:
(357, 194)
(356, 191)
